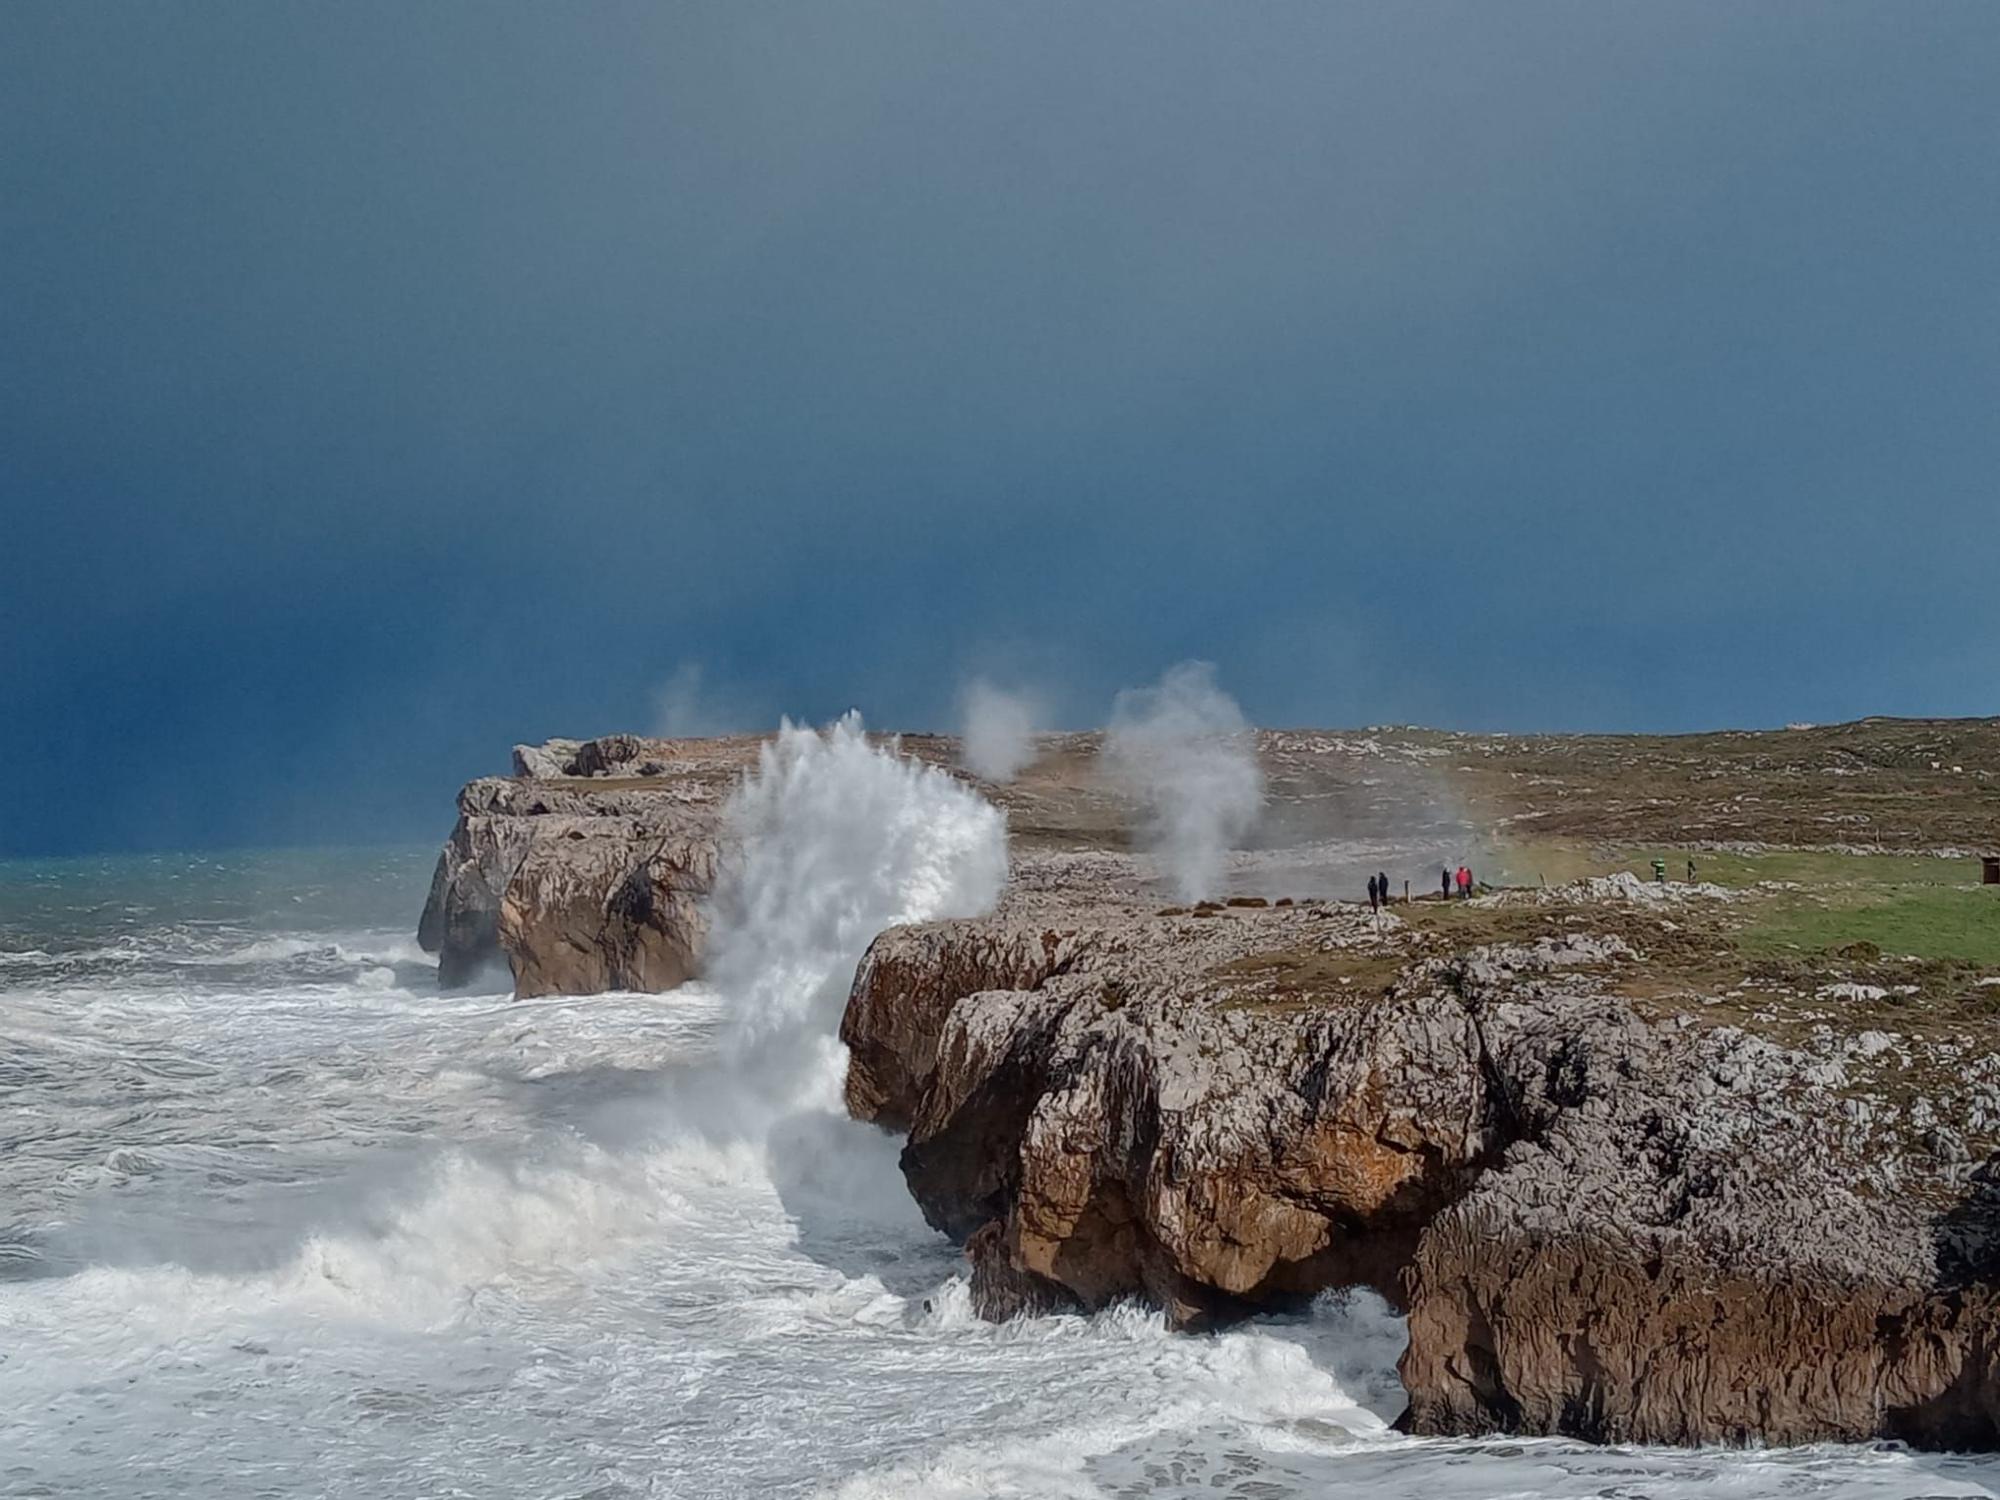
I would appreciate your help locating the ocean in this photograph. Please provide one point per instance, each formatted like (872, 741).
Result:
(278, 1219)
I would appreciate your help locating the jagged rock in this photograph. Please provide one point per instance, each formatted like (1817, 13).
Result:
(546, 761)
(461, 919)
(1599, 1225)
(608, 904)
(907, 987)
(611, 755)
(1641, 1267)
(581, 887)
(1001, 1289)
(1602, 1217)
(1132, 1138)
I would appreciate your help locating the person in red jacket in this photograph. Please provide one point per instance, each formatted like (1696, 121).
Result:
(1465, 881)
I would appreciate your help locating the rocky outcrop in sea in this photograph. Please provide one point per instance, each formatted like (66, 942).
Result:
(1598, 1224)
(586, 870)
(1624, 1184)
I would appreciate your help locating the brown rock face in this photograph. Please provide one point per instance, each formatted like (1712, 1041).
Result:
(1615, 1218)
(460, 921)
(1673, 1250)
(586, 870)
(1587, 1338)
(905, 990)
(1598, 1226)
(1001, 1289)
(608, 904)
(1130, 1139)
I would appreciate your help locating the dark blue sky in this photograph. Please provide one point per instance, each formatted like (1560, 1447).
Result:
(382, 384)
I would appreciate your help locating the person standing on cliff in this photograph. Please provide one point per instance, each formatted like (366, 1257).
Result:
(1374, 895)
(1465, 882)
(1444, 885)
(1382, 884)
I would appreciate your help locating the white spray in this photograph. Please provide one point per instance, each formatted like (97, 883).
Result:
(688, 706)
(998, 729)
(1184, 750)
(836, 841)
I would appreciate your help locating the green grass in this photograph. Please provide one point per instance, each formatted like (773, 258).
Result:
(1528, 864)
(1937, 922)
(1810, 867)
(1905, 904)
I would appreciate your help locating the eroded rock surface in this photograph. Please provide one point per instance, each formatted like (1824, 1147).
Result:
(1128, 1133)
(586, 870)
(1626, 1182)
(1600, 1223)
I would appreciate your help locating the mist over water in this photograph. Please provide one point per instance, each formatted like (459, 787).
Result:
(282, 1220)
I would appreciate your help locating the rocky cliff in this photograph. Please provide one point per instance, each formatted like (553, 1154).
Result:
(1638, 1163)
(585, 870)
(1602, 1221)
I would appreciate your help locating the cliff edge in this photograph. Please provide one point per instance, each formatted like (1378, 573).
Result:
(1604, 1217)
(585, 870)
(1652, 1161)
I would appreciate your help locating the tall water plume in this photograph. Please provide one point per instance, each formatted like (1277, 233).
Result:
(1184, 751)
(998, 727)
(835, 839)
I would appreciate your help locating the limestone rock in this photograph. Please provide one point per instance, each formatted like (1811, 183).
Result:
(1132, 1138)
(460, 920)
(546, 761)
(586, 870)
(1602, 1216)
(1599, 1225)
(608, 904)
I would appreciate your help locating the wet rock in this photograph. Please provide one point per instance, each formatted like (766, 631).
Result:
(1001, 1289)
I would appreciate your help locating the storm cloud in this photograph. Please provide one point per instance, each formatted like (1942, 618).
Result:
(380, 386)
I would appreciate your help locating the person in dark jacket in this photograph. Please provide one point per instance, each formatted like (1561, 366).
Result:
(1383, 882)
(1374, 894)
(1444, 885)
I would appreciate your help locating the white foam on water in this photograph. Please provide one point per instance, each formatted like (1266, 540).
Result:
(1259, 1388)
(336, 1235)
